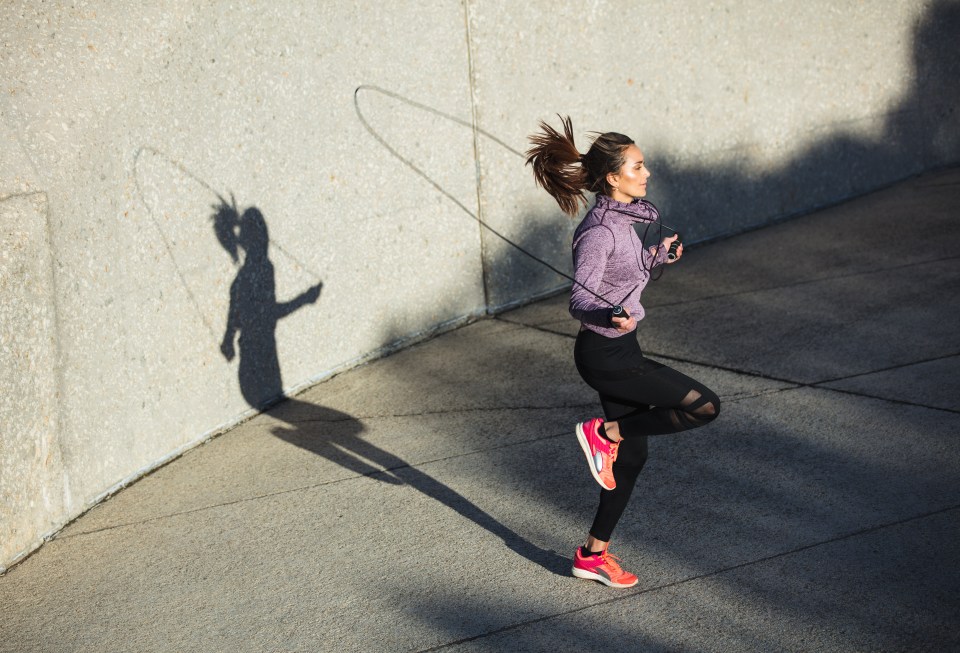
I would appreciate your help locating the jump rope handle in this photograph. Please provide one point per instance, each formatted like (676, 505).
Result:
(672, 252)
(619, 311)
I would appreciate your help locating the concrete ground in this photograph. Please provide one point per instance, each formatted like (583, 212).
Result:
(432, 500)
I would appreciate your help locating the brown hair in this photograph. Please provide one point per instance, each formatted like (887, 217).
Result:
(565, 173)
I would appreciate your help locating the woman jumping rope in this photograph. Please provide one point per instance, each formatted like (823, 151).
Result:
(640, 397)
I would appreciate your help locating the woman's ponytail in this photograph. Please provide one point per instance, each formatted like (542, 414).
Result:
(565, 173)
(557, 165)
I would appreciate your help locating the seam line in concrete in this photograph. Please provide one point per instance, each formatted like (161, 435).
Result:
(494, 409)
(683, 581)
(386, 471)
(66, 490)
(732, 399)
(474, 128)
(454, 411)
(887, 369)
(804, 282)
(796, 385)
(724, 368)
(816, 385)
(372, 474)
(902, 402)
(534, 327)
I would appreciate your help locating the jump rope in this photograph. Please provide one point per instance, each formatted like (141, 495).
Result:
(617, 309)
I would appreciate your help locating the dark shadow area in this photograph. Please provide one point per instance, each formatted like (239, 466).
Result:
(922, 132)
(254, 310)
(252, 321)
(792, 603)
(332, 435)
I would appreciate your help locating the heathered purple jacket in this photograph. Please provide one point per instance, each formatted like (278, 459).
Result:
(610, 260)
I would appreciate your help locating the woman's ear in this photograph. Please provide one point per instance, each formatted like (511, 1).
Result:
(613, 179)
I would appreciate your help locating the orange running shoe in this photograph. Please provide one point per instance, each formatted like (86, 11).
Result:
(603, 567)
(600, 452)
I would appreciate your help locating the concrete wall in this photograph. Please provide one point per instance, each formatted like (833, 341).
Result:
(359, 142)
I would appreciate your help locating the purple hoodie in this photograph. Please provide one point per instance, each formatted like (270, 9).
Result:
(610, 260)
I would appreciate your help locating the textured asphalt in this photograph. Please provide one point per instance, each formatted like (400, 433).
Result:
(431, 500)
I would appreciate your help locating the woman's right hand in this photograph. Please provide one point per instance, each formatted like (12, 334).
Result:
(624, 324)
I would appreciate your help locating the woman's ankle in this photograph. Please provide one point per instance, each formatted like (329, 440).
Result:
(594, 546)
(611, 431)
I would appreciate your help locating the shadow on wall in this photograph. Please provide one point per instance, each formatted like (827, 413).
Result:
(920, 133)
(707, 202)
(254, 311)
(332, 434)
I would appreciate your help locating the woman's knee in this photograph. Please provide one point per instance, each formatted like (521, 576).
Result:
(703, 406)
(712, 407)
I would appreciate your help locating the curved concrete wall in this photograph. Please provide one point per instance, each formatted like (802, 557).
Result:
(204, 205)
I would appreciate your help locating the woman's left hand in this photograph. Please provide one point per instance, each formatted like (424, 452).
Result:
(666, 245)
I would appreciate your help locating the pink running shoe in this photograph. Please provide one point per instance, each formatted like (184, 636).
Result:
(603, 567)
(600, 452)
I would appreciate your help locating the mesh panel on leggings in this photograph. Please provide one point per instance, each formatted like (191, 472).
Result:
(697, 410)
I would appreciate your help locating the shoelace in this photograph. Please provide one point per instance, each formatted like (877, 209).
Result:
(611, 560)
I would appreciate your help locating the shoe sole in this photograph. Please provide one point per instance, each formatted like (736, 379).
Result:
(589, 575)
(585, 446)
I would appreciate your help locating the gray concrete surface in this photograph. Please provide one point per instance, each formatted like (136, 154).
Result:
(30, 462)
(431, 500)
(369, 137)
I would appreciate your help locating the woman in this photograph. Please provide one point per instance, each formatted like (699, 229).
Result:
(640, 397)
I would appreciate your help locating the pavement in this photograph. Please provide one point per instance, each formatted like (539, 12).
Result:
(431, 500)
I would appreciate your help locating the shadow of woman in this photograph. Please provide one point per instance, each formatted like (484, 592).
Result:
(254, 311)
(330, 434)
(334, 435)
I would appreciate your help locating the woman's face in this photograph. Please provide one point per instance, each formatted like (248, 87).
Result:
(631, 182)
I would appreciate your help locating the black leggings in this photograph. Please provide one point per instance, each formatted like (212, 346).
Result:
(645, 398)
